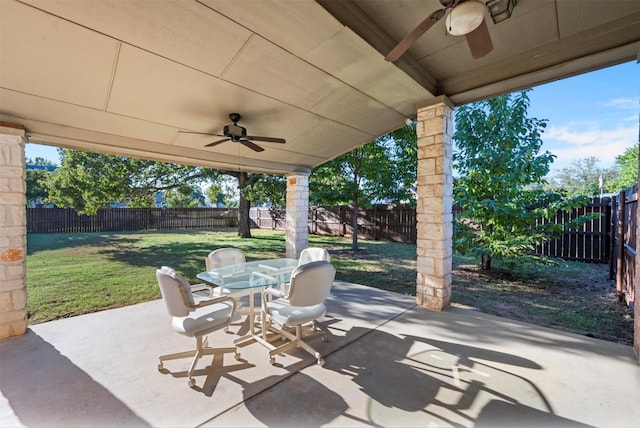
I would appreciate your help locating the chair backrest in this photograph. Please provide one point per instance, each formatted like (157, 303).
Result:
(224, 257)
(176, 292)
(313, 254)
(311, 283)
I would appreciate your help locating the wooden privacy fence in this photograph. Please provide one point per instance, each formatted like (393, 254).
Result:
(386, 222)
(624, 224)
(590, 243)
(52, 220)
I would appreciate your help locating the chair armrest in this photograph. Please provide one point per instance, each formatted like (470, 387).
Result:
(202, 287)
(221, 299)
(272, 292)
(203, 303)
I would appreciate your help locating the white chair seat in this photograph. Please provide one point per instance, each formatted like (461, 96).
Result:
(283, 313)
(204, 320)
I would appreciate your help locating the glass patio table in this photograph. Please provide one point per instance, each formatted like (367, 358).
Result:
(251, 276)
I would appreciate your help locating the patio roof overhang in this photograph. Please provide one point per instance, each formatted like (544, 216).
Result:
(124, 77)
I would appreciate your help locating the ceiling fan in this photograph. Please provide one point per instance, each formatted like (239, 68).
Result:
(238, 134)
(462, 17)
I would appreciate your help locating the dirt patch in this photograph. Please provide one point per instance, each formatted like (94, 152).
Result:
(574, 297)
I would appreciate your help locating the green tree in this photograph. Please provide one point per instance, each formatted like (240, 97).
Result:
(498, 158)
(36, 180)
(184, 197)
(217, 197)
(267, 189)
(582, 178)
(246, 181)
(383, 169)
(627, 170)
(89, 181)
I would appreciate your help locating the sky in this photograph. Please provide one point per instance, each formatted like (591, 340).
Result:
(594, 114)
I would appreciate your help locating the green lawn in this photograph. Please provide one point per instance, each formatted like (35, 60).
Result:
(75, 273)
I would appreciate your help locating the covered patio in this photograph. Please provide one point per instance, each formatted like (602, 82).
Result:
(126, 78)
(389, 362)
(160, 79)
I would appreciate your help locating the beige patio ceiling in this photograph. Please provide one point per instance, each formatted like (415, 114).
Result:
(124, 77)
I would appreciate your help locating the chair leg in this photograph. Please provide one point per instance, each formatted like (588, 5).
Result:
(295, 341)
(201, 350)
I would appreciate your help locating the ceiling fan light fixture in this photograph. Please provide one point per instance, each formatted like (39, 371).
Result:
(465, 17)
(500, 9)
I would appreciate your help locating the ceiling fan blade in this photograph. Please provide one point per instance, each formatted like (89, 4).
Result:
(200, 133)
(266, 139)
(410, 38)
(479, 41)
(215, 143)
(252, 146)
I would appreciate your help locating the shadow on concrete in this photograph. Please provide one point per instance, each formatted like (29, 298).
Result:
(442, 383)
(214, 372)
(500, 413)
(306, 402)
(44, 388)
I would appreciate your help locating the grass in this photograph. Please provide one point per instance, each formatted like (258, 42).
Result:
(72, 274)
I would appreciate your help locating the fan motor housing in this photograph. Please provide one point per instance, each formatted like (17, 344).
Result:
(235, 131)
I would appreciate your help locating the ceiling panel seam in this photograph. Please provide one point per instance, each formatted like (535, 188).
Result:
(300, 57)
(340, 81)
(353, 17)
(235, 57)
(171, 142)
(116, 58)
(555, 5)
(123, 42)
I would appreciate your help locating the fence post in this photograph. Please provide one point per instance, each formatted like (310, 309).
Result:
(376, 223)
(613, 226)
(605, 224)
(314, 216)
(620, 255)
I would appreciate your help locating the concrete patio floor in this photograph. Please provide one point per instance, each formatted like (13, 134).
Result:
(388, 363)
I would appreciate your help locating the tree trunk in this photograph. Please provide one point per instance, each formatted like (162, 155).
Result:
(244, 226)
(354, 240)
(486, 262)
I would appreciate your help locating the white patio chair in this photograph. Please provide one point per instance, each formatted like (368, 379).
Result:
(194, 319)
(308, 255)
(224, 257)
(313, 254)
(303, 303)
(227, 257)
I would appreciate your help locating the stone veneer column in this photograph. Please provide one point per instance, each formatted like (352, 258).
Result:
(297, 228)
(13, 232)
(434, 212)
